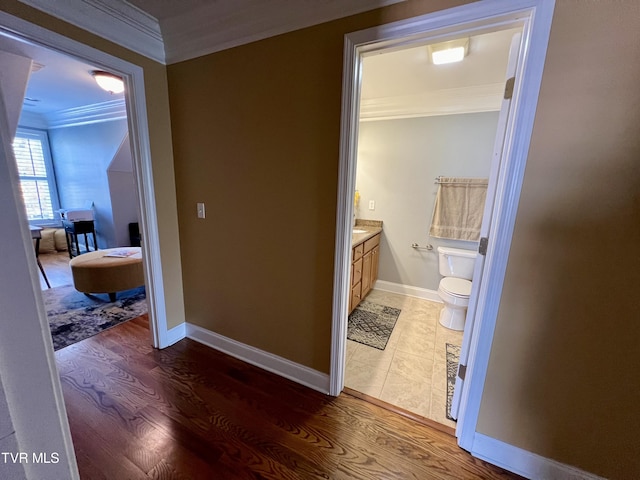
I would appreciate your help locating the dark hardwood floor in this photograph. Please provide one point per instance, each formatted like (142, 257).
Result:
(190, 412)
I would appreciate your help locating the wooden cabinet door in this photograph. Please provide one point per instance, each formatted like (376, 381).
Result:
(366, 273)
(375, 262)
(356, 296)
(356, 270)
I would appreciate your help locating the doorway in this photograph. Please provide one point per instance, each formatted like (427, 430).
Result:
(418, 122)
(473, 19)
(72, 149)
(136, 120)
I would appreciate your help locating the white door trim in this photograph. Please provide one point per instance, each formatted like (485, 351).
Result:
(133, 76)
(534, 16)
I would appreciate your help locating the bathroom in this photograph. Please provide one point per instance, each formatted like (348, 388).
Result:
(446, 128)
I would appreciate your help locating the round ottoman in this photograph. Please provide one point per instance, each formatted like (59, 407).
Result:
(108, 271)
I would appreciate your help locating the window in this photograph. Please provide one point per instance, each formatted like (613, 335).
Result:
(35, 169)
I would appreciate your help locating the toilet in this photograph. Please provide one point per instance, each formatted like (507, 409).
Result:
(456, 266)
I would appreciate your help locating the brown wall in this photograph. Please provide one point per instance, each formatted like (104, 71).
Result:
(256, 137)
(161, 148)
(563, 373)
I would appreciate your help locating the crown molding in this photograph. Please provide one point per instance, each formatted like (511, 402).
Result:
(211, 27)
(452, 101)
(115, 20)
(218, 28)
(87, 114)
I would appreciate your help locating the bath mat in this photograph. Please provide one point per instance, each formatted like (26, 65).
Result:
(371, 324)
(74, 316)
(453, 358)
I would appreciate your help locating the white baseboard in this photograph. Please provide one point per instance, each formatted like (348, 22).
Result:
(267, 361)
(408, 290)
(525, 463)
(175, 334)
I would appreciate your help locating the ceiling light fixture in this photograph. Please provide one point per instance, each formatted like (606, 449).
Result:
(449, 52)
(108, 81)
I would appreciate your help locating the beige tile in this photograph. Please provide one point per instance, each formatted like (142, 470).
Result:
(418, 324)
(406, 392)
(364, 378)
(421, 345)
(438, 408)
(419, 305)
(351, 348)
(374, 358)
(439, 378)
(446, 335)
(389, 299)
(394, 337)
(413, 367)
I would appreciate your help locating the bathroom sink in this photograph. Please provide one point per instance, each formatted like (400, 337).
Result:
(355, 230)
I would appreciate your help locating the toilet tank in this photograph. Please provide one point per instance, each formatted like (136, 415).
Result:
(456, 262)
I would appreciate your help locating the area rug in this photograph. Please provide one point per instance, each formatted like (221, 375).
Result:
(453, 358)
(74, 316)
(371, 324)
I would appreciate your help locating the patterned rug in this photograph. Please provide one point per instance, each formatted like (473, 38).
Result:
(371, 324)
(453, 357)
(74, 316)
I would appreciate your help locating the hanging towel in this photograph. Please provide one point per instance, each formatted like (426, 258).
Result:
(459, 208)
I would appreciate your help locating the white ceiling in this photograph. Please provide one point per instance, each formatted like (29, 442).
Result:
(60, 83)
(409, 71)
(405, 83)
(64, 83)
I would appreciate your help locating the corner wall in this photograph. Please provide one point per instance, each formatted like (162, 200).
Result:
(81, 157)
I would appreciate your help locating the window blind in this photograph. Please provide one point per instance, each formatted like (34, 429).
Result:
(35, 178)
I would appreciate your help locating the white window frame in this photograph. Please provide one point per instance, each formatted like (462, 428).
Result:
(43, 137)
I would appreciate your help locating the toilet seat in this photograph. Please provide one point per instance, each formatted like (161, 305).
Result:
(456, 287)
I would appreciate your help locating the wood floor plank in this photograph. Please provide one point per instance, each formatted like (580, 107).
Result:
(189, 412)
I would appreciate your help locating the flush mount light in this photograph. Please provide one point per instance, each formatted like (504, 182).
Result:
(108, 81)
(449, 52)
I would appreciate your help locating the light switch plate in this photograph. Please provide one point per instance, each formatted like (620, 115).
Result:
(201, 212)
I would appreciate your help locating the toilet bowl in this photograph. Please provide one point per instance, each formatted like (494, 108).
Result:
(456, 266)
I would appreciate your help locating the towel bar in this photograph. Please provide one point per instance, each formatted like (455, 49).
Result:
(418, 247)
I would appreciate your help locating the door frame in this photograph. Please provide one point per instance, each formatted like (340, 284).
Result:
(137, 123)
(534, 16)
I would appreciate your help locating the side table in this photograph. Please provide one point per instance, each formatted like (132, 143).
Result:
(73, 229)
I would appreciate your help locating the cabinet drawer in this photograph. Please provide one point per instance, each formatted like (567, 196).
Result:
(356, 272)
(357, 252)
(372, 242)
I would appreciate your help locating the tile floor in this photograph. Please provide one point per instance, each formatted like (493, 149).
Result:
(411, 371)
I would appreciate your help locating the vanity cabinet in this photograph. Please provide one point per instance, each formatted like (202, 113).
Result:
(364, 269)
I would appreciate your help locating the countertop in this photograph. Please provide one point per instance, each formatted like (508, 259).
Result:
(369, 231)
